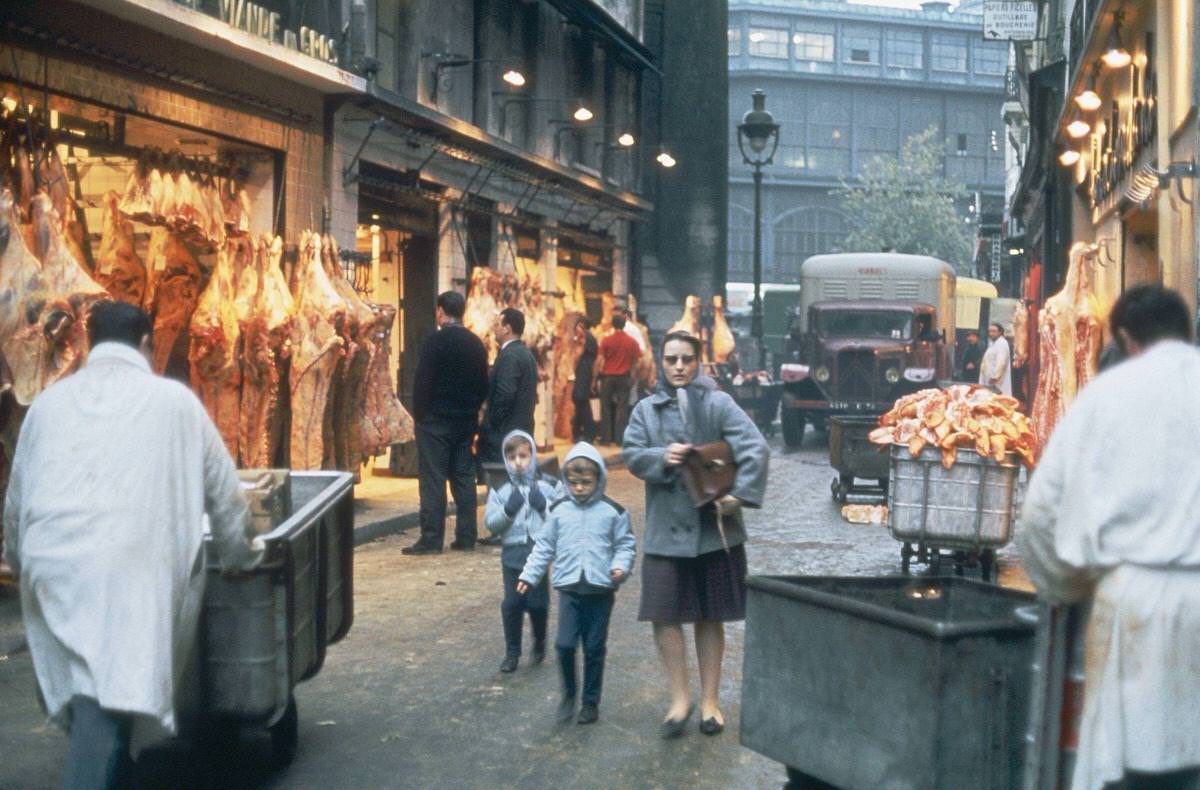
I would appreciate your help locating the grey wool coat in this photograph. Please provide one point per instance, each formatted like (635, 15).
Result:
(674, 527)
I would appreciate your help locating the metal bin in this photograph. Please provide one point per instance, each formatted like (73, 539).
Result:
(852, 456)
(263, 632)
(888, 682)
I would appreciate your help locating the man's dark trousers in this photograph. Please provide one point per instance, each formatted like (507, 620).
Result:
(583, 424)
(98, 755)
(614, 407)
(444, 454)
(583, 618)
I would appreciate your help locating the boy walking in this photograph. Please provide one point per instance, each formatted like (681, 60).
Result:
(588, 538)
(516, 512)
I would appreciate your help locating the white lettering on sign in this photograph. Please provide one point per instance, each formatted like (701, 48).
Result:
(265, 24)
(1010, 20)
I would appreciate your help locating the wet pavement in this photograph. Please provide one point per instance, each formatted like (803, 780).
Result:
(412, 697)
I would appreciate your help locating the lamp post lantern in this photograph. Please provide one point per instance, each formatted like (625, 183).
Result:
(757, 132)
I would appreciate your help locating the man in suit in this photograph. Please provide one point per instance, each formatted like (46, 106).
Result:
(512, 393)
(451, 383)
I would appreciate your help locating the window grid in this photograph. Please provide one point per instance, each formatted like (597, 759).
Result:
(768, 43)
(905, 48)
(805, 233)
(948, 52)
(860, 48)
(813, 46)
(990, 59)
(735, 41)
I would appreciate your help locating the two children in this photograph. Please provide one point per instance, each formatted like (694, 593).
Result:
(588, 538)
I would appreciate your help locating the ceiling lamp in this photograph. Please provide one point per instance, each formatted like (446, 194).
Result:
(1068, 157)
(665, 159)
(514, 78)
(1089, 100)
(1078, 128)
(583, 114)
(1115, 55)
(626, 140)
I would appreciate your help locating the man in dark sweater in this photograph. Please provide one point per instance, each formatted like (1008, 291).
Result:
(512, 394)
(583, 426)
(450, 386)
(972, 355)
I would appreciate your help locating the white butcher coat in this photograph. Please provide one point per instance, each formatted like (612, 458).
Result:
(996, 367)
(113, 473)
(1113, 511)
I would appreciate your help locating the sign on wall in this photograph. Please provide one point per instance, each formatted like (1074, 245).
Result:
(1010, 20)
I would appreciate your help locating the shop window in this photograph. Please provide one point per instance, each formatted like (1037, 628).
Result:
(768, 43)
(735, 41)
(813, 46)
(948, 52)
(905, 48)
(861, 46)
(990, 58)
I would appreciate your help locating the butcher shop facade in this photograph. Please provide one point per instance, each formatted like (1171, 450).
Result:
(175, 161)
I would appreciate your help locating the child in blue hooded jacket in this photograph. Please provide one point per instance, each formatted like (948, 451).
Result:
(589, 540)
(516, 512)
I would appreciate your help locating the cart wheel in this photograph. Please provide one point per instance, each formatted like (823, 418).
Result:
(836, 491)
(285, 735)
(906, 553)
(987, 565)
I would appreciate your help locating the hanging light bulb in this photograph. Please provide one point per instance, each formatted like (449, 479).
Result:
(1068, 157)
(1089, 100)
(1078, 127)
(583, 114)
(514, 78)
(626, 140)
(1115, 55)
(665, 159)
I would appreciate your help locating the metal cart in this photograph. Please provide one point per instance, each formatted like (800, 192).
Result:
(264, 631)
(966, 510)
(889, 682)
(854, 457)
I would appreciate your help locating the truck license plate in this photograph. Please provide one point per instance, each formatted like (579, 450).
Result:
(847, 406)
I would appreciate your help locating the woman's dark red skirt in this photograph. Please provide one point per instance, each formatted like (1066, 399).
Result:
(710, 588)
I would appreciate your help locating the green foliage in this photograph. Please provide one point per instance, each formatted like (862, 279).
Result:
(907, 205)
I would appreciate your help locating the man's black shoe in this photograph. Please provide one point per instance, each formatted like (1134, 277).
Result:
(494, 540)
(420, 548)
(509, 664)
(566, 710)
(588, 713)
(539, 652)
(459, 546)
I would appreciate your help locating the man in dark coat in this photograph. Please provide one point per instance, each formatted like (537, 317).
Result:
(512, 393)
(583, 425)
(450, 386)
(972, 355)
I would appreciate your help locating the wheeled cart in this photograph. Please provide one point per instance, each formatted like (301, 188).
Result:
(855, 458)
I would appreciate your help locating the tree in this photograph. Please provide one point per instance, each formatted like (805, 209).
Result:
(906, 205)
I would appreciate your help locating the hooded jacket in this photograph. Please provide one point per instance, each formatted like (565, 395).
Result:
(519, 531)
(585, 539)
(674, 526)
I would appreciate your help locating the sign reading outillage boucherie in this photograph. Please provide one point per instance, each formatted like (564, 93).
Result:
(1010, 20)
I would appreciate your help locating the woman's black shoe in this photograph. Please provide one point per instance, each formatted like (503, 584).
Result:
(673, 728)
(539, 652)
(711, 727)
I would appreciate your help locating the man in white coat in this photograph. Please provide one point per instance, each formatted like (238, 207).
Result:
(996, 368)
(113, 474)
(1111, 515)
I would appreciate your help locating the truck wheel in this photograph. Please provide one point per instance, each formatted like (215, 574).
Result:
(285, 736)
(792, 421)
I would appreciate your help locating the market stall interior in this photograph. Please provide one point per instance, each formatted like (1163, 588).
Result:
(290, 361)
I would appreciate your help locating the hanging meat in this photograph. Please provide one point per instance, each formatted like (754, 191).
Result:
(1069, 342)
(343, 446)
(173, 288)
(723, 345)
(647, 367)
(385, 421)
(118, 267)
(485, 300)
(24, 306)
(264, 318)
(566, 353)
(69, 285)
(316, 347)
(690, 320)
(213, 349)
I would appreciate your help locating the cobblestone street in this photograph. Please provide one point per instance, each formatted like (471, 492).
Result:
(412, 698)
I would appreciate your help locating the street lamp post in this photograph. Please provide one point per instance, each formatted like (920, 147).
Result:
(756, 131)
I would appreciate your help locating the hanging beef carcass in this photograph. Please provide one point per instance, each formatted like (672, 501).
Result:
(24, 303)
(265, 317)
(723, 344)
(343, 422)
(213, 348)
(385, 421)
(647, 368)
(484, 302)
(68, 282)
(316, 347)
(173, 284)
(118, 267)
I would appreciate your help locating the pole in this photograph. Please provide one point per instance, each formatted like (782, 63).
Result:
(756, 326)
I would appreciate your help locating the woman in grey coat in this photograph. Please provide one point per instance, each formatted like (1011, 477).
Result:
(695, 563)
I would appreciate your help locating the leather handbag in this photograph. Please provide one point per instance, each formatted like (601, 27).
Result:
(709, 472)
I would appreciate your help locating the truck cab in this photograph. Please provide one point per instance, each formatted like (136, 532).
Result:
(871, 327)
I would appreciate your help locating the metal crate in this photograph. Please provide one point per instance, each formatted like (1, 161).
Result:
(968, 506)
(888, 682)
(264, 631)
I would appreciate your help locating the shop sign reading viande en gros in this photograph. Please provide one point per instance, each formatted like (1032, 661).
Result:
(265, 23)
(1126, 134)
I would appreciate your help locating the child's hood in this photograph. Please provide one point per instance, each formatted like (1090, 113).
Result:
(530, 471)
(585, 450)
